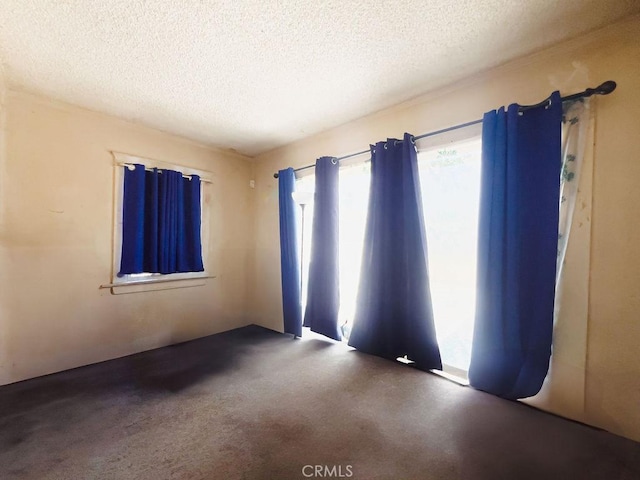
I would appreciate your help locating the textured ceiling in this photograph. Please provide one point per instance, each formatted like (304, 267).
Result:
(254, 75)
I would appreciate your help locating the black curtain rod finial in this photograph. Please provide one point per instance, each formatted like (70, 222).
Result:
(275, 175)
(606, 88)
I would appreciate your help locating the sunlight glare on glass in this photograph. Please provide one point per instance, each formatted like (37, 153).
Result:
(303, 196)
(450, 185)
(354, 198)
(450, 182)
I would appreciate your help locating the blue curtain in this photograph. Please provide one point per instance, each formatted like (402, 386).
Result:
(161, 222)
(323, 297)
(517, 249)
(394, 315)
(289, 253)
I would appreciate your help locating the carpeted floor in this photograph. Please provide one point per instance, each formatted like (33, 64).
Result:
(254, 404)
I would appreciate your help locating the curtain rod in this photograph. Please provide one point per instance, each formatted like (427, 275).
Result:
(603, 89)
(131, 166)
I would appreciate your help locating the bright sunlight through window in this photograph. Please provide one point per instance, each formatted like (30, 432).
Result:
(450, 182)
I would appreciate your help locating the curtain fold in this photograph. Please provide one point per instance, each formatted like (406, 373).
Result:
(151, 223)
(394, 315)
(133, 254)
(289, 253)
(169, 203)
(190, 241)
(323, 297)
(517, 249)
(160, 222)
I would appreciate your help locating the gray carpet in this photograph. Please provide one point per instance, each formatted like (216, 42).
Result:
(254, 404)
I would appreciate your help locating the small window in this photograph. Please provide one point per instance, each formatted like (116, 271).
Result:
(160, 222)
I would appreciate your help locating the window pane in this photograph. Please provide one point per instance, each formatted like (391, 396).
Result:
(303, 196)
(354, 198)
(450, 180)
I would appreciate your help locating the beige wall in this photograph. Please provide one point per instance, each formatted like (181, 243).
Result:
(609, 396)
(56, 218)
(3, 252)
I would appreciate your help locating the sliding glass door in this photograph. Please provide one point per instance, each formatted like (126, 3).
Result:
(450, 179)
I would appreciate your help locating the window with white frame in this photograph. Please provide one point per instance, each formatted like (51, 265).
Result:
(161, 221)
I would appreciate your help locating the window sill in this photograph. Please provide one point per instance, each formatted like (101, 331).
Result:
(155, 284)
(453, 374)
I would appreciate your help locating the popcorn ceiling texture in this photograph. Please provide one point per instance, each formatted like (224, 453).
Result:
(254, 75)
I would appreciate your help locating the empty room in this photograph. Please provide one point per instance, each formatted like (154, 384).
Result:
(322, 239)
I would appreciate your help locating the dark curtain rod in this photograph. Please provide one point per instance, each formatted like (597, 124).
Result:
(604, 89)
